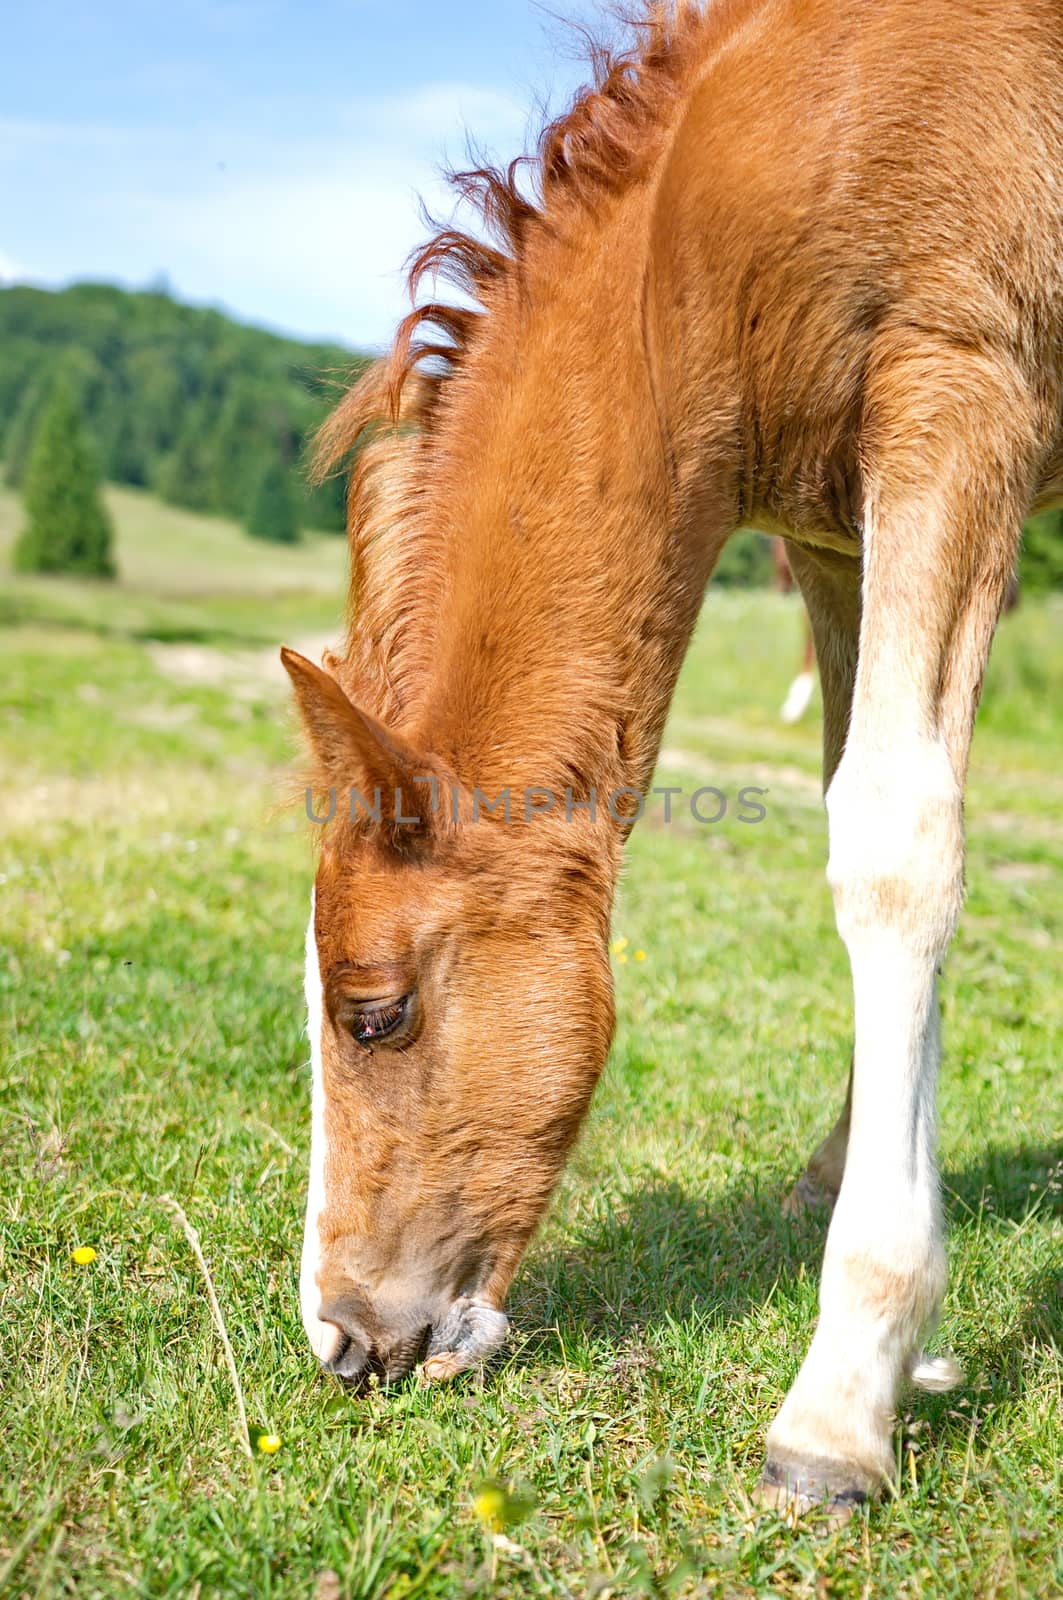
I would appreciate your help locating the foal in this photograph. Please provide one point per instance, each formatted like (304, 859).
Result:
(792, 264)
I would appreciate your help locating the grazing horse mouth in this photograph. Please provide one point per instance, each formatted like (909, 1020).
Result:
(358, 1366)
(469, 1333)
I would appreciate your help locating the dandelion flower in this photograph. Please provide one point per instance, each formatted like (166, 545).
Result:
(490, 1504)
(498, 1507)
(621, 958)
(618, 946)
(640, 955)
(269, 1443)
(84, 1255)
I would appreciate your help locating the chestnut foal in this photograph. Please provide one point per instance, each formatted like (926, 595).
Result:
(795, 264)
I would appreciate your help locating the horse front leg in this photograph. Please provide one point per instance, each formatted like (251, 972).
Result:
(940, 542)
(896, 873)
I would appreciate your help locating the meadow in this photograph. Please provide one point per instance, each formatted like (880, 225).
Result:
(154, 899)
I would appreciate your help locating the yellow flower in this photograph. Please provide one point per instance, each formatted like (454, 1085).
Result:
(618, 946)
(84, 1255)
(621, 958)
(640, 955)
(269, 1443)
(490, 1504)
(498, 1507)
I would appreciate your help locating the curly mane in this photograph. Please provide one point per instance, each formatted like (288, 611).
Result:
(601, 144)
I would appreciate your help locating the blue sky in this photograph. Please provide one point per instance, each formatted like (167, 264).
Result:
(265, 155)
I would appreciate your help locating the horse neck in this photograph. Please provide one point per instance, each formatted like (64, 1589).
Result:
(575, 542)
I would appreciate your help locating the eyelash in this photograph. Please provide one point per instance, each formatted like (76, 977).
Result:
(381, 1020)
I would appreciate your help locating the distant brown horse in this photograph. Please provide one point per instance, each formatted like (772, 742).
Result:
(792, 264)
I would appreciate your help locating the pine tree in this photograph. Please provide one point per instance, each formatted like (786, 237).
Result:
(1041, 564)
(184, 476)
(68, 528)
(326, 503)
(22, 430)
(245, 431)
(746, 562)
(273, 512)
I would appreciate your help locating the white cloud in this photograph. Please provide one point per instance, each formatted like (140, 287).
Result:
(438, 108)
(304, 232)
(10, 269)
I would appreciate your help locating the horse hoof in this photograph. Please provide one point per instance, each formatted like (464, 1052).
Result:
(807, 1196)
(828, 1490)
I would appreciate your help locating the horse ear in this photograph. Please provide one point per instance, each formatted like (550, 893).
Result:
(352, 747)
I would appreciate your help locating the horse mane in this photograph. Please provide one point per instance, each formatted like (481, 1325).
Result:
(388, 419)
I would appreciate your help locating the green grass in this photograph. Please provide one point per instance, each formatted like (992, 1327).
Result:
(182, 577)
(153, 905)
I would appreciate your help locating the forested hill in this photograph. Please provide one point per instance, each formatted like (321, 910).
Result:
(178, 399)
(214, 415)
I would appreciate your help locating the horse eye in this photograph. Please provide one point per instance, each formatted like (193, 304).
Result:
(370, 1023)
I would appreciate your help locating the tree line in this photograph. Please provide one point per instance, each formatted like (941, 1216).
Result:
(212, 415)
(206, 412)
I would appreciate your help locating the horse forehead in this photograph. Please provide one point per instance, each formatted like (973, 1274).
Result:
(358, 896)
(368, 908)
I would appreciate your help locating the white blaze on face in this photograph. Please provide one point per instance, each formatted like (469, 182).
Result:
(324, 1337)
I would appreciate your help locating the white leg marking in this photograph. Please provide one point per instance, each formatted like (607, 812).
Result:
(896, 872)
(324, 1337)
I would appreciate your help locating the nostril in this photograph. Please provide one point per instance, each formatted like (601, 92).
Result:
(350, 1360)
(351, 1356)
(369, 1345)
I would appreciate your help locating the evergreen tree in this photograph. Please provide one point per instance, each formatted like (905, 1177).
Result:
(746, 562)
(68, 528)
(21, 432)
(245, 432)
(273, 512)
(184, 476)
(326, 503)
(1041, 563)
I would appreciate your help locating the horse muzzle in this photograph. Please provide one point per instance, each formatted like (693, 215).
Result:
(371, 1342)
